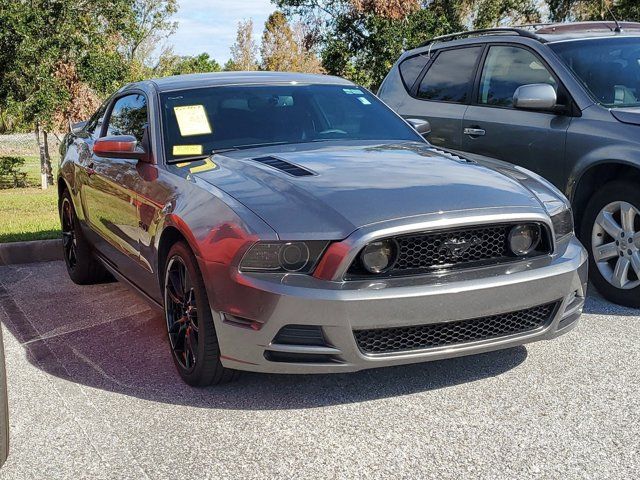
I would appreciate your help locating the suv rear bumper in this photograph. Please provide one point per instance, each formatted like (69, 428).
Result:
(339, 309)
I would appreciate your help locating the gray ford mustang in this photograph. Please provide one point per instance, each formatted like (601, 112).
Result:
(293, 223)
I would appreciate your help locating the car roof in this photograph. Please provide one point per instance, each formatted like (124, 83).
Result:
(199, 80)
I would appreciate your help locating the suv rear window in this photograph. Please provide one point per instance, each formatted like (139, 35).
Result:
(450, 77)
(410, 69)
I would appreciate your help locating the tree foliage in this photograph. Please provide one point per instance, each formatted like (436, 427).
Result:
(580, 10)
(283, 48)
(244, 52)
(172, 64)
(360, 39)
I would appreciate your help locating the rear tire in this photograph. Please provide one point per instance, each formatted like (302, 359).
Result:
(610, 230)
(190, 327)
(83, 267)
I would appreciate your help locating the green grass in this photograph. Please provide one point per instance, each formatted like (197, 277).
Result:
(29, 214)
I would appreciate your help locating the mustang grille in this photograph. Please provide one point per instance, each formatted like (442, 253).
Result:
(399, 339)
(456, 248)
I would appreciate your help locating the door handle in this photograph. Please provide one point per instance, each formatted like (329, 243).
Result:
(475, 132)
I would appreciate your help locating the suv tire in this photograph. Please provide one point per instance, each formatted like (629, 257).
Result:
(618, 245)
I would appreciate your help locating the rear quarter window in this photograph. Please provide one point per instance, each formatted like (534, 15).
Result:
(411, 68)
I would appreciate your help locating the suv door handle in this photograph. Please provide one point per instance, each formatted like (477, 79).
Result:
(475, 132)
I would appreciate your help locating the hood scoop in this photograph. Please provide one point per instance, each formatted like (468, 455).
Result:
(627, 115)
(284, 166)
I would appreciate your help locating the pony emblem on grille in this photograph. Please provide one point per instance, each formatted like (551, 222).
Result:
(457, 246)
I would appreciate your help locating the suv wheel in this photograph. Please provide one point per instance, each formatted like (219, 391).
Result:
(190, 327)
(611, 230)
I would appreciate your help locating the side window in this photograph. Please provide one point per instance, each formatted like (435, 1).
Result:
(506, 69)
(95, 123)
(128, 116)
(410, 69)
(450, 77)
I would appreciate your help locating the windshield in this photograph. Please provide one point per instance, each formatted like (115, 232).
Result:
(608, 67)
(200, 121)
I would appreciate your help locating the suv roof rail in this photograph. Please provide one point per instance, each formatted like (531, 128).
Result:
(486, 31)
(585, 27)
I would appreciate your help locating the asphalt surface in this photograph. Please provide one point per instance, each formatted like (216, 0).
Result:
(94, 394)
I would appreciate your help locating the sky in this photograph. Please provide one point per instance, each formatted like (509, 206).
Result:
(210, 25)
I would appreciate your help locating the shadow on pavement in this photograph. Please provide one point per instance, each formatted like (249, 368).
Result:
(597, 305)
(105, 337)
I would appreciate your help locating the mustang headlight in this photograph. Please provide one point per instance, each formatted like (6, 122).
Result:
(282, 257)
(562, 223)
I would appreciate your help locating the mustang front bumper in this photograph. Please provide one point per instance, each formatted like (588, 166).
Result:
(250, 311)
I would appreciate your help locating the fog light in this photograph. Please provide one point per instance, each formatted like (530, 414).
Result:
(379, 256)
(523, 239)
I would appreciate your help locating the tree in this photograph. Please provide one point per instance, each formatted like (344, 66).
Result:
(244, 50)
(149, 23)
(52, 47)
(171, 64)
(360, 39)
(283, 47)
(578, 10)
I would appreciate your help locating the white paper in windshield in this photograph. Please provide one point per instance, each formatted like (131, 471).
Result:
(192, 120)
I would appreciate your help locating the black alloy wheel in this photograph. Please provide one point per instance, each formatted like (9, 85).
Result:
(190, 324)
(69, 241)
(181, 314)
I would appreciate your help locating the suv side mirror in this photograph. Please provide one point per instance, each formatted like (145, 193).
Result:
(423, 127)
(536, 96)
(120, 146)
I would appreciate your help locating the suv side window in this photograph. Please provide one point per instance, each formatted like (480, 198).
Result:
(128, 116)
(507, 68)
(411, 68)
(450, 77)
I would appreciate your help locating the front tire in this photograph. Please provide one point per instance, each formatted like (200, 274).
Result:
(83, 267)
(611, 231)
(190, 327)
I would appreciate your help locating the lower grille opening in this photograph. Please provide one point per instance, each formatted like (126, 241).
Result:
(301, 335)
(298, 357)
(401, 339)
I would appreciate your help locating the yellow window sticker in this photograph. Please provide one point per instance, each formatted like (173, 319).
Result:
(187, 149)
(192, 120)
(206, 166)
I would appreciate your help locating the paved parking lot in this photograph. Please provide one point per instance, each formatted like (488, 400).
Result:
(94, 394)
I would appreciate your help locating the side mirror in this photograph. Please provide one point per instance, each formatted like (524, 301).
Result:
(536, 96)
(423, 127)
(78, 127)
(120, 146)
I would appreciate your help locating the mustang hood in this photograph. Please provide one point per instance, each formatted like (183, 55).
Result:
(358, 184)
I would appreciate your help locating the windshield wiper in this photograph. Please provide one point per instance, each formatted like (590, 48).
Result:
(223, 150)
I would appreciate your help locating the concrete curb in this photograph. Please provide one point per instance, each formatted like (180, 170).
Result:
(29, 252)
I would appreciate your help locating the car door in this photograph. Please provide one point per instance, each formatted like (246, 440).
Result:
(493, 127)
(443, 93)
(109, 196)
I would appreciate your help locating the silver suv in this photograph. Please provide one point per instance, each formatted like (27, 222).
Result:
(562, 100)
